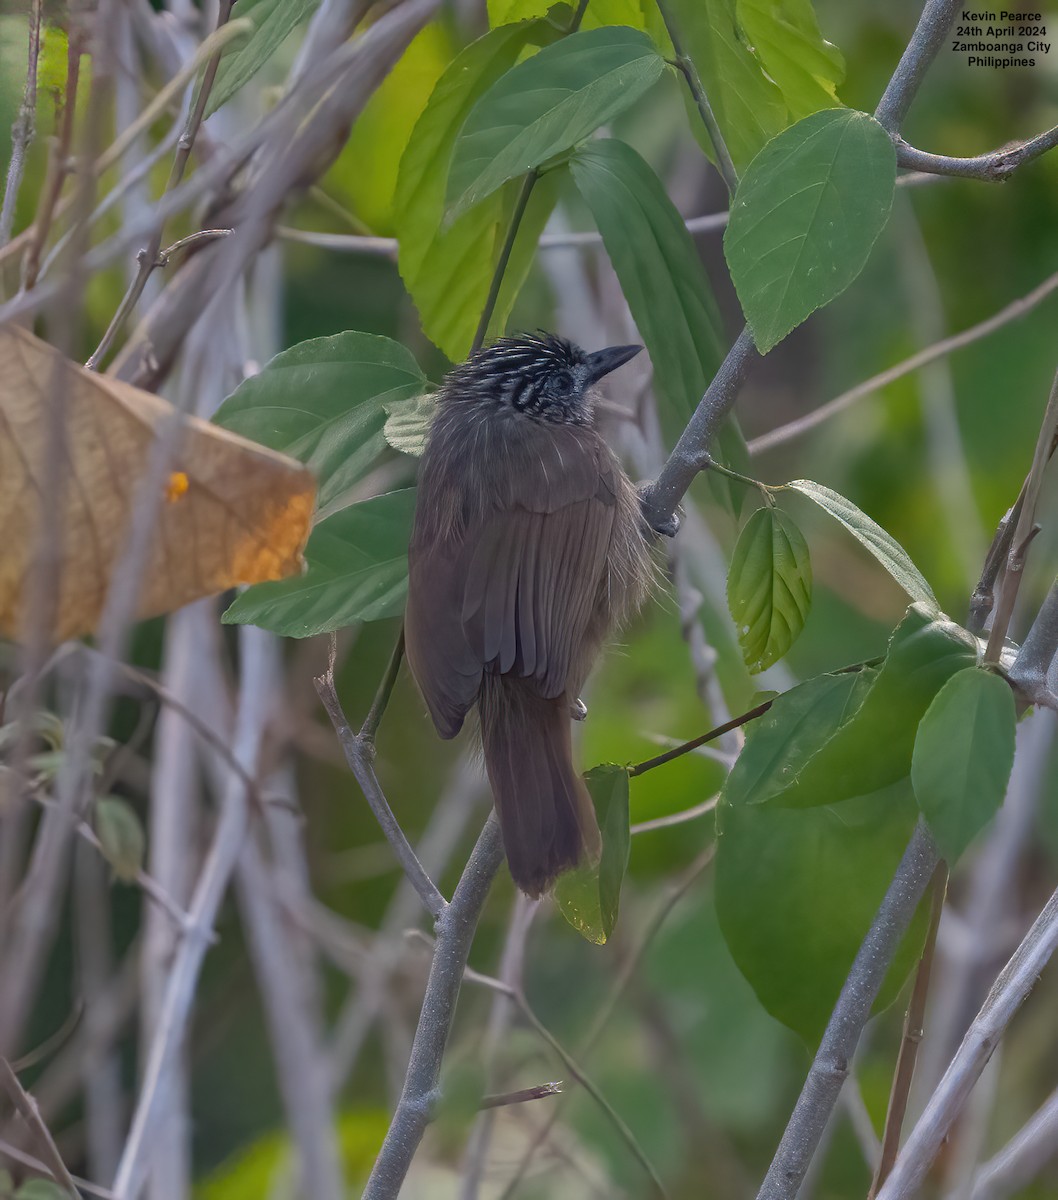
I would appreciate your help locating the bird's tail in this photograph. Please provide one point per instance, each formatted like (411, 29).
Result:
(545, 812)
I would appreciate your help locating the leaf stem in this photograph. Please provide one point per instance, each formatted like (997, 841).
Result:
(505, 256)
(912, 1036)
(678, 751)
(687, 69)
(385, 690)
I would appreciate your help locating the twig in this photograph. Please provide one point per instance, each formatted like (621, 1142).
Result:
(27, 1108)
(135, 289)
(385, 688)
(1011, 988)
(504, 258)
(995, 167)
(27, 1160)
(1010, 583)
(983, 598)
(520, 1097)
(24, 128)
(1011, 312)
(455, 931)
(1022, 1158)
(914, 1020)
(686, 747)
(676, 818)
(359, 753)
(578, 1073)
(858, 994)
(705, 110)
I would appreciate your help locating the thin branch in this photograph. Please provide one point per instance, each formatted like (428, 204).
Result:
(1011, 581)
(1022, 1158)
(455, 932)
(705, 110)
(1011, 312)
(858, 994)
(1038, 651)
(994, 167)
(983, 598)
(578, 1073)
(14, 1154)
(686, 747)
(914, 1020)
(359, 754)
(24, 128)
(27, 1108)
(505, 256)
(1011, 988)
(520, 1097)
(676, 818)
(385, 689)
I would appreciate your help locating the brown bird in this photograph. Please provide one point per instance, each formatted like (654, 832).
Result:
(527, 551)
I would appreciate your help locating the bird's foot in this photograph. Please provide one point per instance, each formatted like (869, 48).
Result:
(578, 710)
(665, 525)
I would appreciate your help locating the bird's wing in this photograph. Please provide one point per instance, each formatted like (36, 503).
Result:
(533, 576)
(515, 594)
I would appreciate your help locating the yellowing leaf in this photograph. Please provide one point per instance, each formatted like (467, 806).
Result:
(232, 512)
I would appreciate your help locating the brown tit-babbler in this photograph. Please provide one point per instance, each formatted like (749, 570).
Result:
(527, 551)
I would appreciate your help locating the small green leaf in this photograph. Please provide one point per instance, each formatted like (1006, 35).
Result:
(797, 889)
(545, 105)
(963, 756)
(274, 21)
(805, 217)
(408, 423)
(667, 291)
(448, 267)
(324, 402)
(769, 587)
(589, 896)
(785, 36)
(121, 836)
(886, 549)
(41, 1189)
(357, 570)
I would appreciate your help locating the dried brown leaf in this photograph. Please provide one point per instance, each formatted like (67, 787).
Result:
(233, 512)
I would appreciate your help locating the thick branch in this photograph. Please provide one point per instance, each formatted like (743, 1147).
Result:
(926, 41)
(455, 932)
(831, 1064)
(994, 167)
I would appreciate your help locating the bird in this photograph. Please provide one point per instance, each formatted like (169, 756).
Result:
(528, 550)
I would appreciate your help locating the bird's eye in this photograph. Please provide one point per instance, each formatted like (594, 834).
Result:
(562, 383)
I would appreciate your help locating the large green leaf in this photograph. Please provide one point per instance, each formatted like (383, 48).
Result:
(769, 587)
(324, 402)
(547, 104)
(448, 268)
(797, 889)
(805, 216)
(963, 756)
(785, 36)
(829, 745)
(589, 896)
(747, 103)
(885, 548)
(663, 281)
(357, 570)
(274, 21)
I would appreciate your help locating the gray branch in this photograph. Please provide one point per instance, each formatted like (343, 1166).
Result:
(994, 167)
(455, 932)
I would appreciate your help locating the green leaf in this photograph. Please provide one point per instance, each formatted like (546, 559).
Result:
(805, 216)
(963, 756)
(121, 836)
(447, 268)
(408, 423)
(589, 896)
(786, 39)
(41, 1189)
(872, 728)
(547, 104)
(886, 549)
(797, 889)
(274, 21)
(324, 402)
(667, 291)
(748, 105)
(769, 587)
(357, 570)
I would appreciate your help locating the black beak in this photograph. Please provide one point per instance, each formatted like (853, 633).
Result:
(602, 362)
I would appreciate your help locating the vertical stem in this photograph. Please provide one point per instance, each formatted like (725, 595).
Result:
(505, 257)
(24, 128)
(912, 1037)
